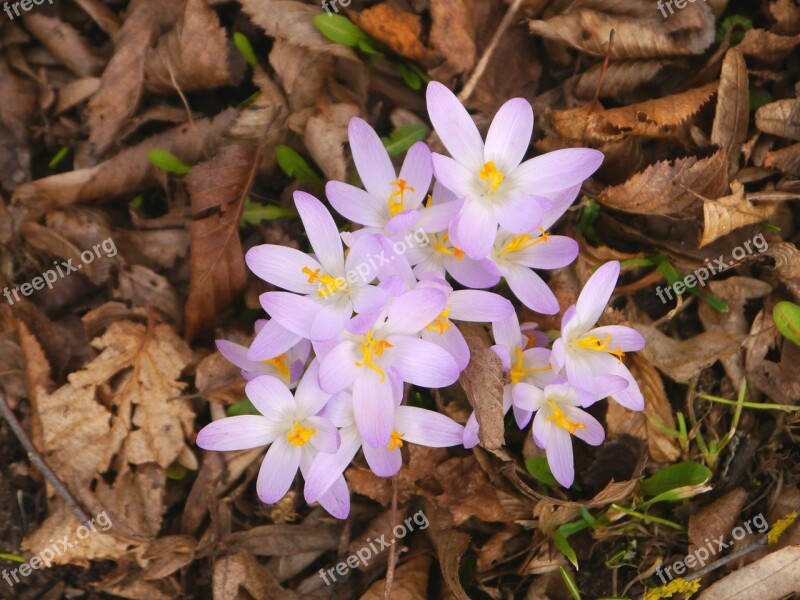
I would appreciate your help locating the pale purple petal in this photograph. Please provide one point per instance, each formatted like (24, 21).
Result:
(337, 499)
(596, 293)
(560, 201)
(452, 341)
(283, 267)
(417, 172)
(471, 439)
(623, 338)
(506, 333)
(237, 355)
(555, 171)
(326, 436)
(503, 355)
(531, 290)
(474, 229)
(410, 313)
(428, 427)
(362, 262)
(423, 363)
(522, 416)
(278, 470)
(559, 456)
(557, 252)
(478, 306)
(237, 433)
(541, 429)
(472, 273)
(509, 134)
(327, 468)
(331, 319)
(403, 222)
(592, 432)
(454, 126)
(356, 204)
(631, 397)
(372, 161)
(338, 368)
(527, 397)
(437, 217)
(453, 175)
(271, 397)
(273, 339)
(321, 231)
(580, 375)
(519, 213)
(293, 312)
(382, 461)
(373, 407)
(369, 298)
(309, 396)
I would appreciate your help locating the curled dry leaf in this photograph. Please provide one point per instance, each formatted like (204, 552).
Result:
(723, 215)
(786, 160)
(64, 41)
(194, 55)
(452, 545)
(217, 260)
(670, 188)
(787, 265)
(482, 381)
(765, 46)
(733, 107)
(410, 581)
(781, 118)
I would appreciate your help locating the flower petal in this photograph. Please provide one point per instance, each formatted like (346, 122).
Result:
(309, 396)
(560, 201)
(417, 172)
(506, 333)
(382, 461)
(555, 253)
(453, 175)
(271, 398)
(452, 341)
(423, 363)
(472, 273)
(527, 396)
(326, 436)
(592, 432)
(454, 126)
(372, 161)
(626, 339)
(237, 433)
(594, 297)
(409, 313)
(282, 267)
(479, 306)
(321, 231)
(428, 427)
(338, 368)
(331, 319)
(556, 170)
(237, 355)
(531, 290)
(293, 312)
(559, 456)
(272, 340)
(519, 213)
(278, 470)
(373, 407)
(337, 499)
(474, 229)
(327, 468)
(471, 432)
(356, 204)
(510, 134)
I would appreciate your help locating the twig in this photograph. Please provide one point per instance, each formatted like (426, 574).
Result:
(596, 98)
(487, 55)
(393, 550)
(38, 460)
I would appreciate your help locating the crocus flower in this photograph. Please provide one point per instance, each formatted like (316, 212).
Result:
(516, 255)
(390, 201)
(558, 417)
(496, 185)
(410, 424)
(288, 424)
(379, 351)
(287, 366)
(592, 356)
(462, 305)
(332, 286)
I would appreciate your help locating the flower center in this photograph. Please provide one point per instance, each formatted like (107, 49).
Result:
(328, 284)
(524, 241)
(442, 322)
(279, 362)
(395, 205)
(371, 348)
(518, 371)
(439, 245)
(396, 441)
(490, 173)
(562, 420)
(591, 342)
(299, 435)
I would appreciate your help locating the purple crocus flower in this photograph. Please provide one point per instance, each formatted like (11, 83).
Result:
(516, 255)
(287, 366)
(379, 351)
(496, 185)
(332, 286)
(592, 356)
(558, 417)
(410, 424)
(463, 305)
(288, 424)
(390, 201)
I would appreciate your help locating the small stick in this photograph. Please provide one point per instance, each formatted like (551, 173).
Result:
(484, 61)
(393, 550)
(596, 98)
(38, 460)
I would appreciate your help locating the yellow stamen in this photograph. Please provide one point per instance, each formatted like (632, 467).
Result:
(524, 241)
(518, 372)
(562, 420)
(370, 349)
(442, 322)
(490, 173)
(591, 342)
(396, 441)
(328, 284)
(439, 246)
(396, 206)
(299, 435)
(279, 362)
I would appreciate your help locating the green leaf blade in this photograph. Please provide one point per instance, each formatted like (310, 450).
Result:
(166, 161)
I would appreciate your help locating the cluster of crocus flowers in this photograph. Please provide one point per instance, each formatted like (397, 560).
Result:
(371, 311)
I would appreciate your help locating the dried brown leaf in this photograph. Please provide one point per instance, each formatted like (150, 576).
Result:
(765, 46)
(453, 33)
(786, 160)
(398, 29)
(724, 215)
(773, 577)
(733, 107)
(781, 118)
(621, 77)
(65, 42)
(326, 135)
(217, 260)
(410, 581)
(452, 545)
(17, 107)
(717, 519)
(482, 381)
